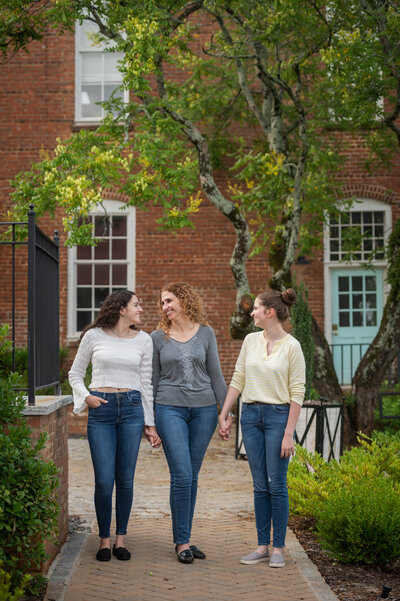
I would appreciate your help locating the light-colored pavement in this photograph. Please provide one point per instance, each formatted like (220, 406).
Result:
(223, 528)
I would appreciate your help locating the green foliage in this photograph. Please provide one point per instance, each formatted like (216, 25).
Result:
(302, 330)
(346, 496)
(362, 523)
(312, 480)
(28, 510)
(6, 594)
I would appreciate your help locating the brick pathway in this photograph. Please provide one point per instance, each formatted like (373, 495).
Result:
(223, 528)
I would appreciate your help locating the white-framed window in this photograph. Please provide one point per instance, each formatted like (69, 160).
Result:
(96, 74)
(368, 221)
(96, 271)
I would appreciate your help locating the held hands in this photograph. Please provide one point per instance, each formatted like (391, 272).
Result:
(93, 401)
(225, 426)
(287, 447)
(152, 436)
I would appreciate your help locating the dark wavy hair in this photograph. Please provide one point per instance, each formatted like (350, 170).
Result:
(109, 313)
(280, 301)
(191, 302)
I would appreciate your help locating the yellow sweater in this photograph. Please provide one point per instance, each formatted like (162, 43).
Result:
(275, 378)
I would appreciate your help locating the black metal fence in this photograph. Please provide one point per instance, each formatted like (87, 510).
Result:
(43, 304)
(319, 429)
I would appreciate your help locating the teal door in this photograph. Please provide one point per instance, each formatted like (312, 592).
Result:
(357, 305)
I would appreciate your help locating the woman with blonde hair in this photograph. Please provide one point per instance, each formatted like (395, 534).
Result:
(270, 376)
(187, 384)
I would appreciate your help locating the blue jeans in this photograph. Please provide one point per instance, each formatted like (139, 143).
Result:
(263, 427)
(114, 432)
(186, 433)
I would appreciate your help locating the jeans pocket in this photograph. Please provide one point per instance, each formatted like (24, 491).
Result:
(135, 397)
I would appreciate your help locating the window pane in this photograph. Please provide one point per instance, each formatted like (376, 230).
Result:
(84, 252)
(102, 250)
(357, 300)
(334, 245)
(84, 297)
(84, 274)
(357, 319)
(334, 257)
(367, 217)
(100, 294)
(370, 301)
(119, 249)
(370, 318)
(118, 225)
(344, 320)
(344, 301)
(90, 95)
(334, 232)
(91, 67)
(370, 282)
(111, 73)
(356, 218)
(356, 282)
(102, 226)
(367, 244)
(378, 217)
(379, 231)
(343, 284)
(119, 275)
(83, 319)
(101, 275)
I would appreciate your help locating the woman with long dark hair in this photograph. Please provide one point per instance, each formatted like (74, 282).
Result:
(188, 384)
(270, 376)
(120, 402)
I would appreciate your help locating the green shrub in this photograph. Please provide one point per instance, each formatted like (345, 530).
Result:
(5, 587)
(361, 523)
(28, 509)
(312, 480)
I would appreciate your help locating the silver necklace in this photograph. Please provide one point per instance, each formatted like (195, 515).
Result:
(121, 335)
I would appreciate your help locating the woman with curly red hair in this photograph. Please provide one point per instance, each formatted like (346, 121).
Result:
(187, 384)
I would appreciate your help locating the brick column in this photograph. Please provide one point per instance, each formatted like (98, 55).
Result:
(50, 414)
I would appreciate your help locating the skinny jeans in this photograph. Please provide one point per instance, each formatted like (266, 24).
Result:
(263, 427)
(186, 433)
(114, 433)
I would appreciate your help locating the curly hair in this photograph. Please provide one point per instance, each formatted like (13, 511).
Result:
(191, 303)
(109, 313)
(280, 301)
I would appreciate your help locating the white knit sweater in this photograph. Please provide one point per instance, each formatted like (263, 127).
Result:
(116, 363)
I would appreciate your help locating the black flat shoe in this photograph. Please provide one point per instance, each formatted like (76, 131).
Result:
(185, 556)
(121, 553)
(103, 554)
(197, 553)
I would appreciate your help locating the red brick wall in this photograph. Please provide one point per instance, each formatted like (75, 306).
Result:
(56, 450)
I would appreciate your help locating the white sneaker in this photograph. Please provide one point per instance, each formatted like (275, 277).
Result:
(255, 557)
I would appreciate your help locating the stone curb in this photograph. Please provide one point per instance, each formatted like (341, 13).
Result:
(310, 571)
(62, 568)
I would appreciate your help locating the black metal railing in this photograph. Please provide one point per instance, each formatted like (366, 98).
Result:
(319, 429)
(43, 304)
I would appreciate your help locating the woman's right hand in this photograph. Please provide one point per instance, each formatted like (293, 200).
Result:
(93, 401)
(225, 426)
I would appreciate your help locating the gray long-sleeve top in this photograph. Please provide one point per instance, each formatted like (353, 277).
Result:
(187, 374)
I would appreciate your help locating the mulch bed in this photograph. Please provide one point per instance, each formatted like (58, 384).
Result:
(350, 582)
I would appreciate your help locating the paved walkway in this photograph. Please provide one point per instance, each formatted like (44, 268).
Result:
(223, 528)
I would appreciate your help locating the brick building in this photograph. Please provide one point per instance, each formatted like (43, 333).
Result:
(50, 93)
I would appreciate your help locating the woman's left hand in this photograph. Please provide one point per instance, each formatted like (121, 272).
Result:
(287, 446)
(152, 436)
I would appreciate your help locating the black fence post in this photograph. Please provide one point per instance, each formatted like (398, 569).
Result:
(31, 304)
(56, 240)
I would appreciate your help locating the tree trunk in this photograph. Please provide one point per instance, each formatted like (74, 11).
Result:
(375, 364)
